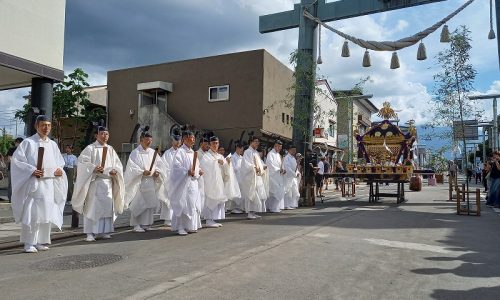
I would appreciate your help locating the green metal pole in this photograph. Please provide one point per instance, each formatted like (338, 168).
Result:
(306, 81)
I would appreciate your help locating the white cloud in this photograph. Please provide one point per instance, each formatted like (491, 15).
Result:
(494, 88)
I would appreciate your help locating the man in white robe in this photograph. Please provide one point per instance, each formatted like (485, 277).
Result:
(237, 204)
(38, 195)
(252, 186)
(274, 162)
(292, 176)
(166, 168)
(215, 168)
(184, 188)
(143, 184)
(99, 190)
(202, 150)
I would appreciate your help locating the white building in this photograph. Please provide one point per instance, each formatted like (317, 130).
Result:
(325, 120)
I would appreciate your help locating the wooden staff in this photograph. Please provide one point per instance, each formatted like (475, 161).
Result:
(193, 167)
(39, 162)
(104, 154)
(154, 159)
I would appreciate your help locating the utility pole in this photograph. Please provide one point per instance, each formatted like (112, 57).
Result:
(326, 12)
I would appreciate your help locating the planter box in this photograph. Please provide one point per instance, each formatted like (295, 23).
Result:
(440, 178)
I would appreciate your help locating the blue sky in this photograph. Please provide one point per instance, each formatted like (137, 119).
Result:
(103, 35)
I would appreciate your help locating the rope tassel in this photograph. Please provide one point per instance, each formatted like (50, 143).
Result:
(491, 35)
(319, 61)
(345, 50)
(366, 59)
(421, 53)
(445, 35)
(394, 60)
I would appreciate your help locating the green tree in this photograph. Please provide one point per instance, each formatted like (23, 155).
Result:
(438, 161)
(70, 101)
(453, 83)
(6, 142)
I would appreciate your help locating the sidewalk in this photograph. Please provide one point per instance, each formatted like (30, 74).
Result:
(9, 231)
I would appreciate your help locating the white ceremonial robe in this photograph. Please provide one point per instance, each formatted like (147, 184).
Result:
(37, 202)
(237, 202)
(215, 192)
(274, 163)
(231, 185)
(142, 193)
(292, 175)
(99, 197)
(185, 191)
(252, 185)
(201, 180)
(165, 165)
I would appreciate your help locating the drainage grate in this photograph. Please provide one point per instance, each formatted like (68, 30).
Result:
(76, 262)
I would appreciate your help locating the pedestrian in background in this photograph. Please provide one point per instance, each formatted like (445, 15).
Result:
(327, 170)
(70, 164)
(494, 170)
(478, 170)
(10, 153)
(485, 177)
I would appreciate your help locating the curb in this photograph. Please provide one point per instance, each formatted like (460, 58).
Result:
(66, 235)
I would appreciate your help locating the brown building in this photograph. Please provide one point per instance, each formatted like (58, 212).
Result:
(232, 95)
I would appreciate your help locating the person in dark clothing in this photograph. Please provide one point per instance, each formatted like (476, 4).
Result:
(10, 153)
(339, 168)
(469, 173)
(494, 169)
(326, 166)
(485, 173)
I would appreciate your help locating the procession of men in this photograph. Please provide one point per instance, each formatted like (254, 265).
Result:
(189, 188)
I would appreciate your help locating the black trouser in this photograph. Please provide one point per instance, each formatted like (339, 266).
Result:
(319, 180)
(70, 173)
(9, 188)
(478, 177)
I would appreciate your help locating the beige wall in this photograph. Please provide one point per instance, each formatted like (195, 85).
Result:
(188, 103)
(33, 30)
(277, 81)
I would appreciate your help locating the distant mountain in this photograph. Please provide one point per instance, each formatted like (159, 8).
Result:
(436, 138)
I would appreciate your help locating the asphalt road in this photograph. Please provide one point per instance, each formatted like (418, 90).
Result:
(342, 249)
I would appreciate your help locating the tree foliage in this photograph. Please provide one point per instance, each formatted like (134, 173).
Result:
(453, 83)
(437, 160)
(6, 142)
(70, 101)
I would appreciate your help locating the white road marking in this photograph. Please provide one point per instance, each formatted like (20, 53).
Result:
(320, 235)
(414, 246)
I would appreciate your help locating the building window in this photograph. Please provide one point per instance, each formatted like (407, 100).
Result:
(147, 98)
(291, 120)
(283, 118)
(218, 93)
(331, 129)
(288, 119)
(154, 97)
